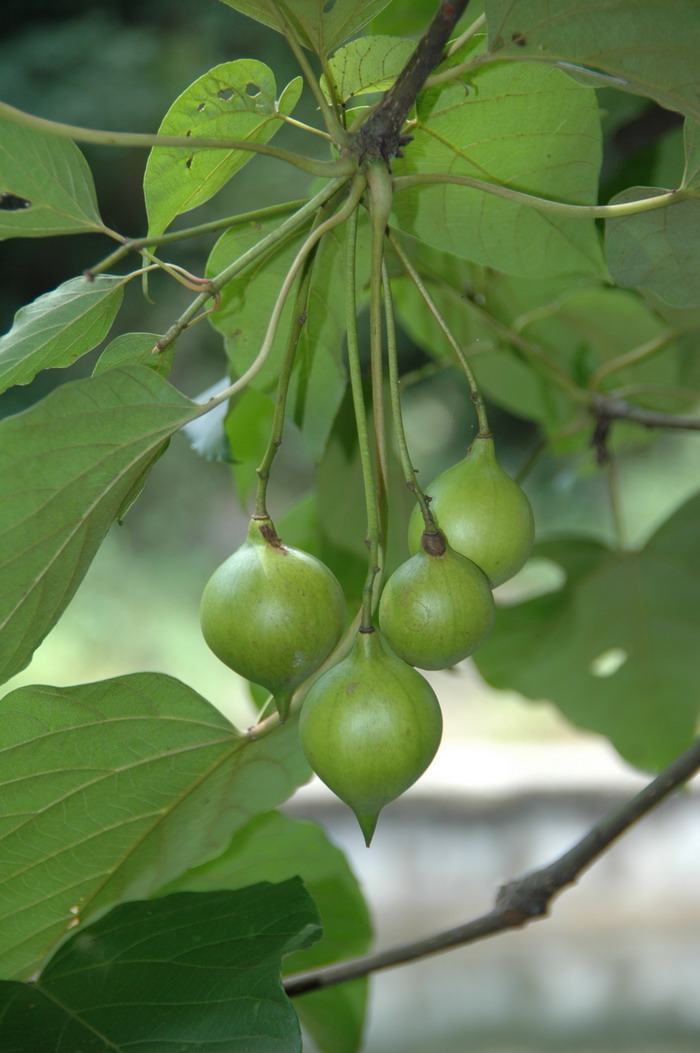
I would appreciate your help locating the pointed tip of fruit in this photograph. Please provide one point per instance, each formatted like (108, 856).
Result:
(282, 704)
(368, 823)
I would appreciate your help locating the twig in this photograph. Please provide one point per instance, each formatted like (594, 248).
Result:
(519, 901)
(380, 135)
(606, 408)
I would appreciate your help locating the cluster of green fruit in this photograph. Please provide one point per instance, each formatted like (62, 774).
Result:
(370, 725)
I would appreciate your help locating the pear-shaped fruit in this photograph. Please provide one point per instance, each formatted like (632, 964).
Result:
(483, 513)
(272, 613)
(369, 727)
(437, 607)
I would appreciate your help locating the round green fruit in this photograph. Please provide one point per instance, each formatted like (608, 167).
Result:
(437, 608)
(369, 727)
(483, 513)
(272, 613)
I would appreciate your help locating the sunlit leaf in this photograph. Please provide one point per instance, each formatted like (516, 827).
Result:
(316, 24)
(529, 128)
(45, 185)
(235, 100)
(367, 65)
(193, 970)
(68, 467)
(59, 327)
(649, 47)
(657, 250)
(616, 648)
(112, 789)
(275, 847)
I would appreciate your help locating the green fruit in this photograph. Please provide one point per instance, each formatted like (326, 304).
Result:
(272, 613)
(436, 609)
(484, 515)
(369, 727)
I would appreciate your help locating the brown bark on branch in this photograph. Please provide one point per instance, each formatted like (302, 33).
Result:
(519, 901)
(380, 135)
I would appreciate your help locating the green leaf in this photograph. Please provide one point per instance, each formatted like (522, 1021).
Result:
(648, 48)
(317, 25)
(367, 65)
(51, 181)
(110, 790)
(132, 349)
(235, 100)
(616, 648)
(319, 379)
(68, 467)
(59, 327)
(691, 139)
(657, 250)
(525, 127)
(275, 847)
(189, 971)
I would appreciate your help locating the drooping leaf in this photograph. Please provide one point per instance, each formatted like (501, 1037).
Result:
(529, 128)
(192, 970)
(136, 349)
(68, 467)
(275, 847)
(59, 327)
(235, 100)
(657, 250)
(112, 789)
(630, 43)
(616, 647)
(317, 25)
(46, 185)
(368, 64)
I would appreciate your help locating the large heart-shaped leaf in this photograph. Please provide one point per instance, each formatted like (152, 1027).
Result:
(190, 971)
(112, 789)
(59, 327)
(45, 185)
(629, 42)
(235, 100)
(68, 467)
(530, 128)
(368, 64)
(616, 647)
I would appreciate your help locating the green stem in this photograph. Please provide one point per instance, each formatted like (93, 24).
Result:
(459, 42)
(363, 439)
(343, 166)
(484, 430)
(409, 472)
(285, 375)
(543, 204)
(636, 354)
(269, 241)
(379, 185)
(333, 126)
(138, 244)
(356, 191)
